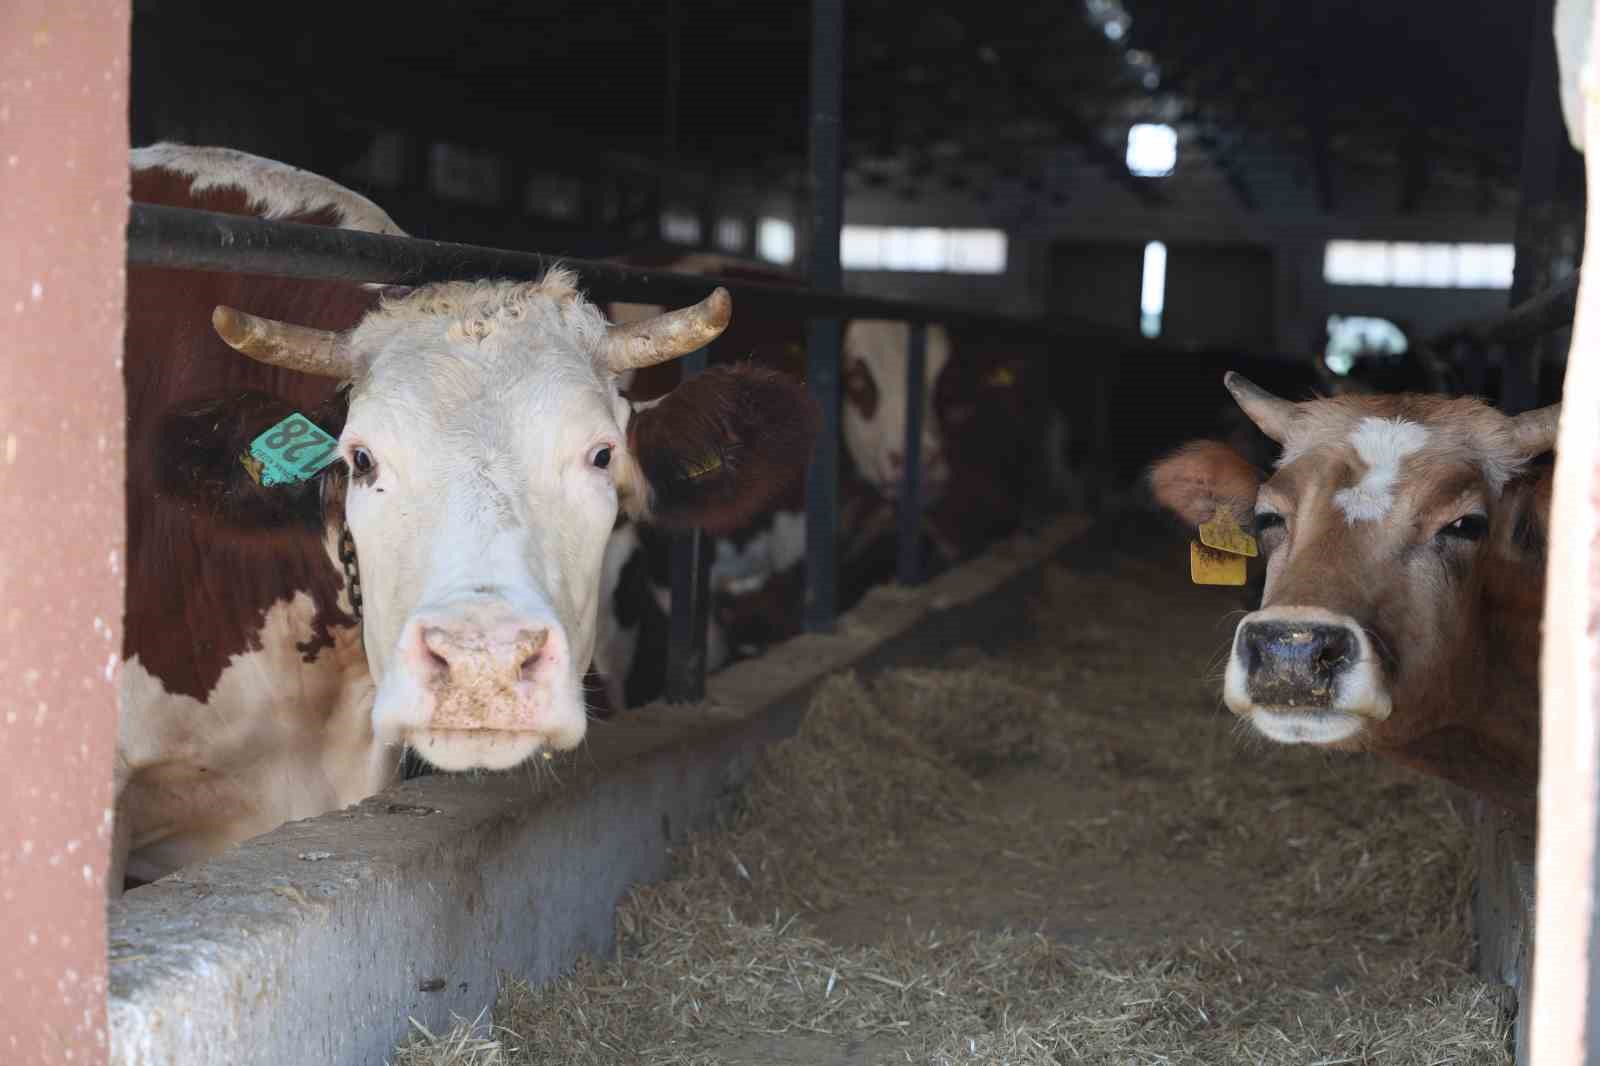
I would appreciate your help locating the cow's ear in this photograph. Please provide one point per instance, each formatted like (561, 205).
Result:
(721, 448)
(1202, 478)
(197, 454)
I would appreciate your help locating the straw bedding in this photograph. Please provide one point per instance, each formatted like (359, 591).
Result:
(1065, 853)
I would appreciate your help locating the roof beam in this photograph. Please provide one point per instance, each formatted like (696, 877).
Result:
(1220, 149)
(1068, 122)
(1321, 153)
(1418, 175)
(1100, 154)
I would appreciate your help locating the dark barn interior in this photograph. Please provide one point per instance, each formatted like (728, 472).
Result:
(1332, 196)
(574, 128)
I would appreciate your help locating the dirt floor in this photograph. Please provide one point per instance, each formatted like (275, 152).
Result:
(1067, 852)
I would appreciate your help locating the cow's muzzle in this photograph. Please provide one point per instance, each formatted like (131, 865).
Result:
(1305, 675)
(1295, 664)
(481, 684)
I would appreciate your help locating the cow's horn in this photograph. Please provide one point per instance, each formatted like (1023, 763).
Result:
(1270, 414)
(1535, 431)
(310, 351)
(667, 336)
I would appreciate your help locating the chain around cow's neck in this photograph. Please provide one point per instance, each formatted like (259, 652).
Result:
(352, 573)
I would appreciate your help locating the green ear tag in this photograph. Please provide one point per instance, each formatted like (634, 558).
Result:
(293, 450)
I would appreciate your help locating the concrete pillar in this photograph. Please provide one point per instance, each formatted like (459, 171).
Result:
(63, 209)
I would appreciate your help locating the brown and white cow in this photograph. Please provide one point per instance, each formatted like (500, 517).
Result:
(485, 452)
(1404, 543)
(991, 440)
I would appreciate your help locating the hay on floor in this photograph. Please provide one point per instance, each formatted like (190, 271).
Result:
(904, 878)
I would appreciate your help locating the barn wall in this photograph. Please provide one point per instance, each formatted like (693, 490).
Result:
(1421, 310)
(1097, 282)
(1220, 295)
(1010, 293)
(1074, 259)
(63, 207)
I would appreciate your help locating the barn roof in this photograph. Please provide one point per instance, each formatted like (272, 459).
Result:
(1294, 105)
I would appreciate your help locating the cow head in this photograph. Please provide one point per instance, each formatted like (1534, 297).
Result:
(1382, 522)
(487, 452)
(874, 417)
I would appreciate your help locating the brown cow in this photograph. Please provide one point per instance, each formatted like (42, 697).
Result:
(1404, 541)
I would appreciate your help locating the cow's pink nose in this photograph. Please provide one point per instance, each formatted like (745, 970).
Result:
(473, 655)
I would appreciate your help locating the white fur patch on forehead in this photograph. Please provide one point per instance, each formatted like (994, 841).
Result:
(549, 314)
(276, 190)
(1382, 444)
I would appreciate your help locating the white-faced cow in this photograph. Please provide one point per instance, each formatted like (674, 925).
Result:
(1404, 542)
(484, 452)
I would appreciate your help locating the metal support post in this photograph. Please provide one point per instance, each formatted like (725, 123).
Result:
(909, 566)
(823, 334)
(691, 583)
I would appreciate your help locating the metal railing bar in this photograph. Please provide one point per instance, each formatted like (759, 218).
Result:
(186, 239)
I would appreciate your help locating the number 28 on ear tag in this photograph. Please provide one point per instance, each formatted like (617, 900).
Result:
(1224, 534)
(1207, 566)
(293, 450)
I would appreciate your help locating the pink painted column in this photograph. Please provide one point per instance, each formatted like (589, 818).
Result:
(63, 208)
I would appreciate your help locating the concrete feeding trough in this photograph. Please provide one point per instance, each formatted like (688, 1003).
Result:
(1503, 899)
(317, 941)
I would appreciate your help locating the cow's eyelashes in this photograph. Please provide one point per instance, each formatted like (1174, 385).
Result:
(1267, 521)
(1468, 527)
(362, 464)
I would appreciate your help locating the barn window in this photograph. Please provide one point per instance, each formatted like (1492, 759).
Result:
(1415, 265)
(1350, 336)
(976, 251)
(553, 196)
(918, 248)
(731, 235)
(775, 240)
(861, 247)
(1153, 291)
(456, 173)
(1485, 266)
(1152, 150)
(923, 248)
(1425, 266)
(680, 226)
(384, 162)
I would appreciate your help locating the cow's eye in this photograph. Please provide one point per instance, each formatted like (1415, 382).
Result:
(362, 462)
(601, 457)
(1266, 521)
(1467, 527)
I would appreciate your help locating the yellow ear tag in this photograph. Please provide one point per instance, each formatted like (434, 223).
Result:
(1224, 534)
(1207, 566)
